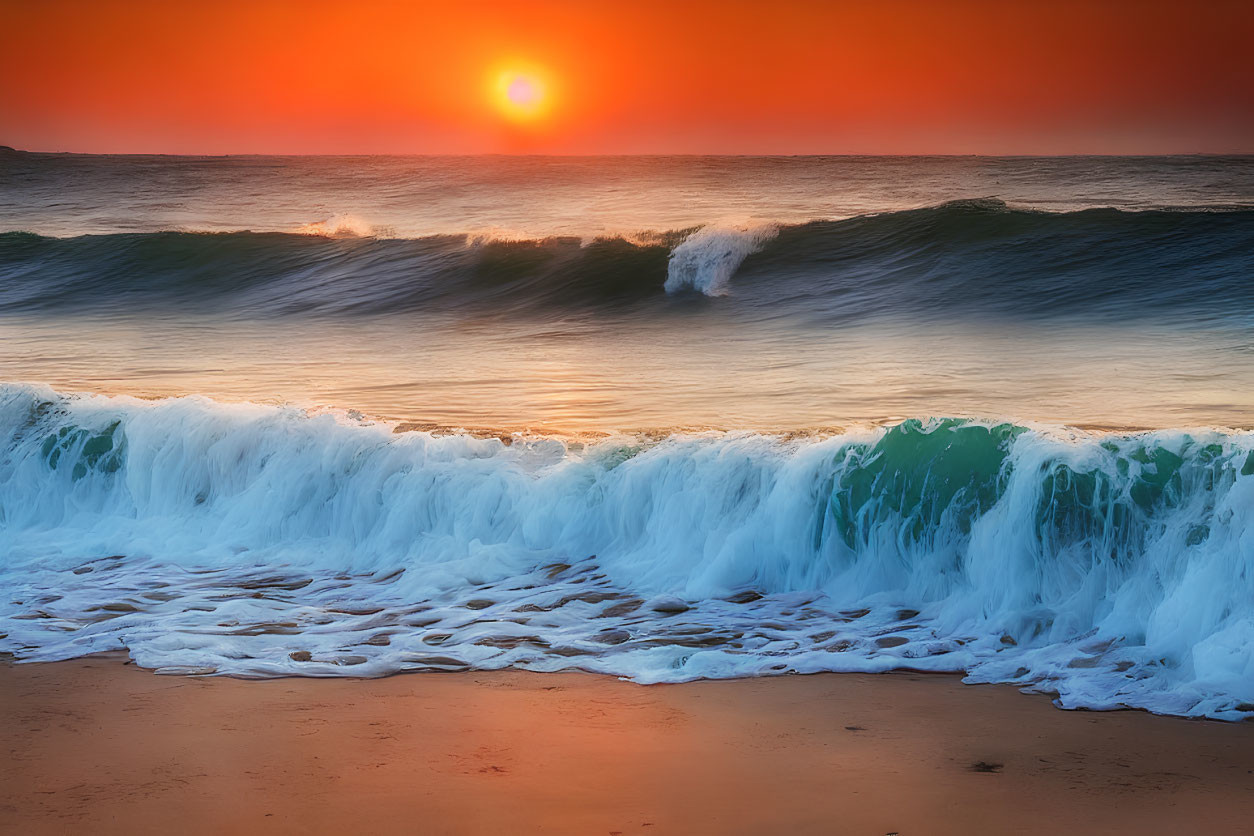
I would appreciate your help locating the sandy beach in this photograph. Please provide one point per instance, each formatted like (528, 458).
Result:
(99, 746)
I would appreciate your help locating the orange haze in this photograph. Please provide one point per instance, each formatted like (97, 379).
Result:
(897, 76)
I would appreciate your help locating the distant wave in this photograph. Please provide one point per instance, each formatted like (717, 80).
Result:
(968, 258)
(1107, 569)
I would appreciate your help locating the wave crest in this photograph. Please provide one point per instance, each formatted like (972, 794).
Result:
(340, 226)
(707, 259)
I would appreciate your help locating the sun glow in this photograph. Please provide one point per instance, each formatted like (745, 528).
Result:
(521, 95)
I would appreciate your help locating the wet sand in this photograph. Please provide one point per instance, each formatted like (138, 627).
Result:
(98, 746)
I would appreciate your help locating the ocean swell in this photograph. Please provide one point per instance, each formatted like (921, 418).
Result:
(966, 259)
(1107, 569)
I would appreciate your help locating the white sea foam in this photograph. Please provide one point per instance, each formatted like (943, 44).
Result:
(260, 541)
(706, 260)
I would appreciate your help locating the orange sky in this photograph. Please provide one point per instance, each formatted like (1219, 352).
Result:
(898, 76)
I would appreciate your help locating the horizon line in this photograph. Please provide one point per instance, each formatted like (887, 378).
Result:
(559, 155)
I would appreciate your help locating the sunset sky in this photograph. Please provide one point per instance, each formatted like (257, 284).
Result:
(901, 76)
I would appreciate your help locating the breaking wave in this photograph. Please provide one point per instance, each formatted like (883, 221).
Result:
(1106, 569)
(707, 259)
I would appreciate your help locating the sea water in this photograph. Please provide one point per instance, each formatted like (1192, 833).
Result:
(665, 418)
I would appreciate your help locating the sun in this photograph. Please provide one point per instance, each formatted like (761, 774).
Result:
(521, 94)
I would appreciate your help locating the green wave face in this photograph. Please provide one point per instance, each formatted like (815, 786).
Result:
(923, 477)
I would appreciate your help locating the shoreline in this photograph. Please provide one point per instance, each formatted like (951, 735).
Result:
(98, 745)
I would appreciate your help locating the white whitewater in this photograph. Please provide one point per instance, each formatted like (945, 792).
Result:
(1109, 569)
(707, 259)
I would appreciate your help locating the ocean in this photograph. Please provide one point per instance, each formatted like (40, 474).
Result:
(666, 418)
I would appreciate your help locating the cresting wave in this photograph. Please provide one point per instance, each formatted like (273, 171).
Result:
(969, 258)
(707, 259)
(1109, 569)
